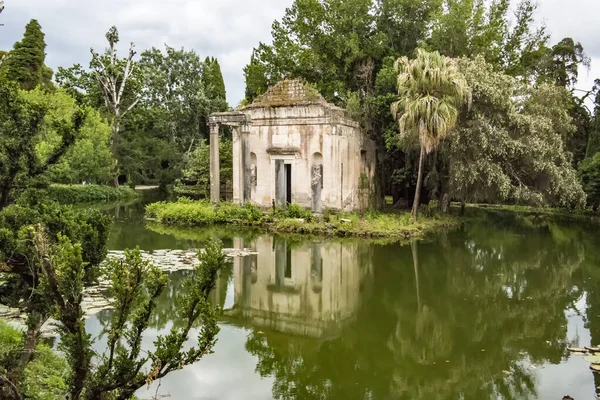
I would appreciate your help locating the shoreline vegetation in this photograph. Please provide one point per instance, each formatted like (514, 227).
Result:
(79, 194)
(295, 219)
(575, 214)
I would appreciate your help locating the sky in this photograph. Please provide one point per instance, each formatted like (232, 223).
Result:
(226, 29)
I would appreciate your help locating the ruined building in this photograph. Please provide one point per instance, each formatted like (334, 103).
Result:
(291, 146)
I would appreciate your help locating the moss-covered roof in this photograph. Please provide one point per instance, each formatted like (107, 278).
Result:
(289, 92)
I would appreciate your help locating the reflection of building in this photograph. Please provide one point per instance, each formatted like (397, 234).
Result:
(291, 146)
(310, 289)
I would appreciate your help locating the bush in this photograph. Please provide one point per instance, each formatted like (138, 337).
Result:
(188, 212)
(74, 194)
(45, 377)
(296, 211)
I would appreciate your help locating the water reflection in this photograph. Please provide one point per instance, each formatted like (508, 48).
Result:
(485, 312)
(308, 288)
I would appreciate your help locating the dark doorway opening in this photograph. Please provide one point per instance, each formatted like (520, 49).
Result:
(288, 183)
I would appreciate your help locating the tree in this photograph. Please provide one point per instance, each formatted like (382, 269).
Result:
(197, 166)
(26, 62)
(135, 285)
(114, 76)
(183, 91)
(589, 174)
(563, 61)
(20, 126)
(510, 147)
(431, 91)
(89, 158)
(212, 77)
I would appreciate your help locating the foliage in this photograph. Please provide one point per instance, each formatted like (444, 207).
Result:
(21, 127)
(589, 175)
(76, 194)
(431, 91)
(196, 172)
(512, 149)
(186, 212)
(212, 78)
(135, 286)
(183, 91)
(45, 377)
(89, 158)
(26, 62)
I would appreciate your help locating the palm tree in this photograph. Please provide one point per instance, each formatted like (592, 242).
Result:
(431, 89)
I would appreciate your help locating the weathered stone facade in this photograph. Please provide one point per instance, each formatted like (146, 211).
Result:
(291, 146)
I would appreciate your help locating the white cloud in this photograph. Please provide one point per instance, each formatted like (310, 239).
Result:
(226, 29)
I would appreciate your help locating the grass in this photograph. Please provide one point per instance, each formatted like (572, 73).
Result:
(74, 194)
(296, 219)
(45, 377)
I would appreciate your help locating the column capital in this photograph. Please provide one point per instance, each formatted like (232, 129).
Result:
(214, 127)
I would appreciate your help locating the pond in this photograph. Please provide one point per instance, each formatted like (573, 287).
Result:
(483, 312)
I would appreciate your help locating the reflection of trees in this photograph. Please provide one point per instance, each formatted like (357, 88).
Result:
(487, 302)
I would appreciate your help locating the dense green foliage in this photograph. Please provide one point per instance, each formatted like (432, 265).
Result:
(89, 158)
(21, 123)
(196, 172)
(512, 149)
(25, 63)
(164, 115)
(45, 377)
(589, 173)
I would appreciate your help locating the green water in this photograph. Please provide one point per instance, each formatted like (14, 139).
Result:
(483, 312)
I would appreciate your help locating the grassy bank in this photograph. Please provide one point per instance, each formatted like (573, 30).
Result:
(45, 377)
(529, 210)
(73, 194)
(189, 213)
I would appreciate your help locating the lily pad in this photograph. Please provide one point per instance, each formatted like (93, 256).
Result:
(593, 349)
(592, 359)
(595, 367)
(577, 349)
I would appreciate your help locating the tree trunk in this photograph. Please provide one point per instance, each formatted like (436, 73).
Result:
(115, 150)
(416, 202)
(415, 256)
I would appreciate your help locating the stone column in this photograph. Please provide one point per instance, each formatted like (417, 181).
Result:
(238, 166)
(215, 172)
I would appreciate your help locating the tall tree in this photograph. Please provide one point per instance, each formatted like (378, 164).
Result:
(184, 90)
(431, 91)
(212, 77)
(114, 75)
(26, 62)
(510, 147)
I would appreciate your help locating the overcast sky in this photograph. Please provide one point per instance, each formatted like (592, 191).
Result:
(226, 29)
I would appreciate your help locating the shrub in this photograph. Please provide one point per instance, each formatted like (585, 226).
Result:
(45, 377)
